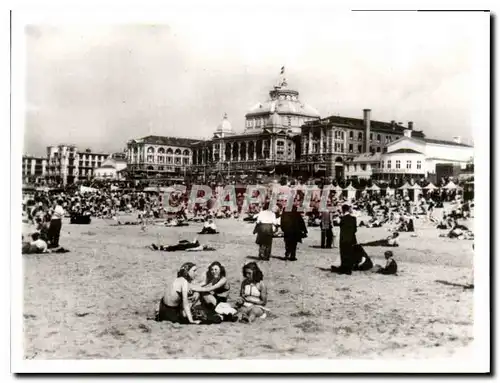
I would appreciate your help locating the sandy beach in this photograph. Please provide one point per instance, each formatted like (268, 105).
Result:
(94, 302)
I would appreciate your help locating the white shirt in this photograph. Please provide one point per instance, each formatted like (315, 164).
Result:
(58, 212)
(267, 216)
(40, 245)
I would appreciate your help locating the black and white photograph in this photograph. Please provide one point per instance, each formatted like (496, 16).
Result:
(285, 187)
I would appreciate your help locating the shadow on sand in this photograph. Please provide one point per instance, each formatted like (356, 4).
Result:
(455, 284)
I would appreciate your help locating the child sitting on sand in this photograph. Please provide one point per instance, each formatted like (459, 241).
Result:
(391, 267)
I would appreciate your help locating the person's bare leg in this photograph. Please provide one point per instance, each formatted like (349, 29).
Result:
(209, 299)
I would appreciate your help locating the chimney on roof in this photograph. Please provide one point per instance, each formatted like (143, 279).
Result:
(393, 124)
(366, 120)
(410, 125)
(457, 140)
(407, 131)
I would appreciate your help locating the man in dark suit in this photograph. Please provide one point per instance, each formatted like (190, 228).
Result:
(294, 229)
(347, 241)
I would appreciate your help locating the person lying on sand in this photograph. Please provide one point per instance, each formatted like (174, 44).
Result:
(253, 294)
(174, 222)
(183, 245)
(390, 241)
(390, 268)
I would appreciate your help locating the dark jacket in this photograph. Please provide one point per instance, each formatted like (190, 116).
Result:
(348, 230)
(293, 225)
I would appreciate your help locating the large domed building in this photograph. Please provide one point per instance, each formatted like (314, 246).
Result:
(269, 141)
(285, 102)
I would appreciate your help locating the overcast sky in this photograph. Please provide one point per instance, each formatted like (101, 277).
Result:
(100, 85)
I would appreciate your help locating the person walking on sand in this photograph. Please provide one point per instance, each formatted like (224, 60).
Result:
(326, 229)
(294, 229)
(54, 231)
(265, 227)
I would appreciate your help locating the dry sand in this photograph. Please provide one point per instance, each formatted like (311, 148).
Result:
(94, 301)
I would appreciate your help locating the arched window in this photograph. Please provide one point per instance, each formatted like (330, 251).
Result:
(161, 151)
(151, 150)
(178, 152)
(170, 151)
(186, 152)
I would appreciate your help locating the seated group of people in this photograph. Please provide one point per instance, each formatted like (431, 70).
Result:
(37, 245)
(406, 225)
(186, 302)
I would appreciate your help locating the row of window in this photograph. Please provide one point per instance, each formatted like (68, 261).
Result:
(378, 137)
(260, 122)
(168, 160)
(151, 150)
(398, 164)
(88, 164)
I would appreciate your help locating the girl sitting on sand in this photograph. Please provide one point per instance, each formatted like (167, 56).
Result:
(253, 294)
(175, 305)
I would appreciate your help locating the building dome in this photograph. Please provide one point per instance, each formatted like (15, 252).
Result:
(284, 106)
(224, 126)
(285, 103)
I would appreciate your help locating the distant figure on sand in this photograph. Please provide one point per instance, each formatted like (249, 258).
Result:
(294, 229)
(346, 242)
(209, 227)
(253, 294)
(390, 241)
(265, 227)
(326, 229)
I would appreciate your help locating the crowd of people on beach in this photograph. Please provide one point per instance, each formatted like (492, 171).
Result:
(187, 302)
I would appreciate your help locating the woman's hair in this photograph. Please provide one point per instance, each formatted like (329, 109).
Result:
(210, 277)
(257, 275)
(389, 253)
(184, 271)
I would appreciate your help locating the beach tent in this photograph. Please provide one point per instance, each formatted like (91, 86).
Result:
(431, 186)
(351, 192)
(450, 186)
(375, 188)
(406, 186)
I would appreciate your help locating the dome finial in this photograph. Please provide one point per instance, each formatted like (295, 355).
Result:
(225, 115)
